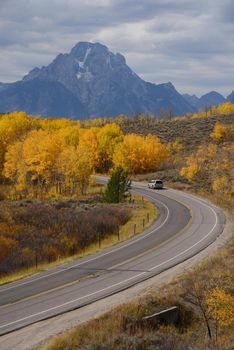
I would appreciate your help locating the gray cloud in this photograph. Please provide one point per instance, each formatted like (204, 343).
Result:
(189, 43)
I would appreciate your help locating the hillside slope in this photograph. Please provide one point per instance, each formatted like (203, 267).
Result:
(191, 132)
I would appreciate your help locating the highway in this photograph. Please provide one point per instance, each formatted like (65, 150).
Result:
(185, 225)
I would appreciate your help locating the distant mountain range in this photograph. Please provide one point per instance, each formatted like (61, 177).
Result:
(91, 81)
(212, 98)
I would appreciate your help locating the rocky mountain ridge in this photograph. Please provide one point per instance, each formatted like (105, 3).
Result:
(90, 81)
(212, 98)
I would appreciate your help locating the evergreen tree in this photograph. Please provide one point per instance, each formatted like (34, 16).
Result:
(118, 186)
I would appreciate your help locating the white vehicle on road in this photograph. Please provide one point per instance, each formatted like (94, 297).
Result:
(155, 184)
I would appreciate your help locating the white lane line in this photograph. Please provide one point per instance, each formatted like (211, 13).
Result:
(95, 258)
(194, 245)
(196, 199)
(124, 281)
(70, 302)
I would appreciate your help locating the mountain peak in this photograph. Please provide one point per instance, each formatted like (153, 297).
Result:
(212, 93)
(212, 98)
(98, 82)
(33, 73)
(80, 49)
(230, 97)
(169, 85)
(86, 45)
(83, 49)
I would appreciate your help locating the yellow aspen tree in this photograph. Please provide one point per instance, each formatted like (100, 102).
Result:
(191, 170)
(75, 166)
(41, 150)
(6, 137)
(157, 153)
(13, 127)
(225, 108)
(89, 143)
(127, 154)
(70, 134)
(33, 161)
(109, 137)
(220, 132)
(138, 154)
(15, 167)
(84, 168)
(220, 305)
(52, 124)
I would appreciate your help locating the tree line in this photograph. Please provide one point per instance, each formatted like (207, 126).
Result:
(52, 156)
(44, 158)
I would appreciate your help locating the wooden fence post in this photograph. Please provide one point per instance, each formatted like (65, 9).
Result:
(134, 229)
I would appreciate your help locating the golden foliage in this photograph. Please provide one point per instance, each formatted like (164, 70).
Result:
(199, 163)
(211, 168)
(33, 160)
(138, 154)
(75, 167)
(13, 127)
(58, 156)
(223, 185)
(109, 137)
(192, 169)
(225, 108)
(53, 125)
(221, 306)
(222, 132)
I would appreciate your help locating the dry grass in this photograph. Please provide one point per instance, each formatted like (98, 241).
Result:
(191, 132)
(144, 209)
(140, 210)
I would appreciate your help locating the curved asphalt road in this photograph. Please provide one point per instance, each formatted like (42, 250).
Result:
(185, 226)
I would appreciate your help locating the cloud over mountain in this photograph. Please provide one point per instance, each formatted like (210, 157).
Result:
(187, 42)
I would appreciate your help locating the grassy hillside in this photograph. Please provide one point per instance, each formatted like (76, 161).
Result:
(190, 131)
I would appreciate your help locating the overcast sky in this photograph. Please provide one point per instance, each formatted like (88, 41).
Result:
(187, 42)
